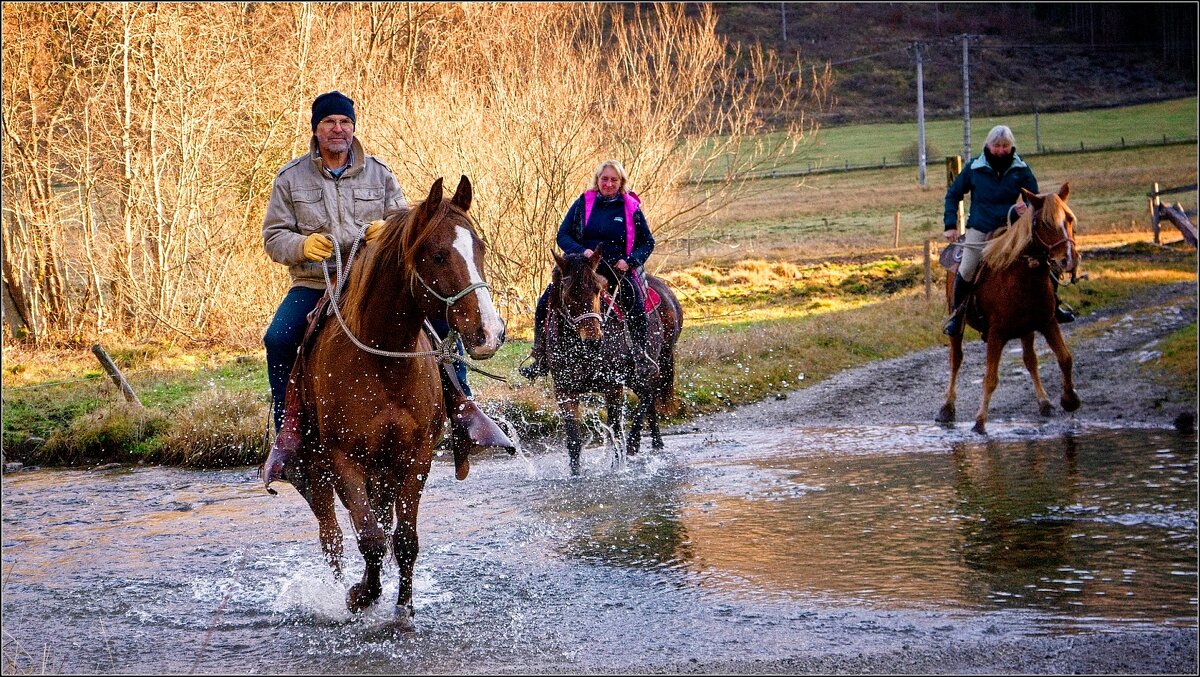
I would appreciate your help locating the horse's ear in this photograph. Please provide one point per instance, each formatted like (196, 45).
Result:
(559, 261)
(462, 196)
(1033, 198)
(431, 203)
(1064, 191)
(595, 258)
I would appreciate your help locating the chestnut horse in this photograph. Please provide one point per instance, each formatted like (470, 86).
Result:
(1014, 297)
(589, 351)
(373, 407)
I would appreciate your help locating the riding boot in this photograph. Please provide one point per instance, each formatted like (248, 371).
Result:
(1062, 312)
(287, 438)
(638, 335)
(467, 420)
(537, 367)
(962, 289)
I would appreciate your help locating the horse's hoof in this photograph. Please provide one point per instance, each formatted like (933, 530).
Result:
(1045, 408)
(402, 622)
(1070, 401)
(946, 415)
(980, 427)
(360, 597)
(657, 444)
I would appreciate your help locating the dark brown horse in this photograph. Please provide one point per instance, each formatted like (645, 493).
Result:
(589, 351)
(373, 407)
(1014, 297)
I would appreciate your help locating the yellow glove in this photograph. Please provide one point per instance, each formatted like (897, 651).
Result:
(317, 247)
(373, 230)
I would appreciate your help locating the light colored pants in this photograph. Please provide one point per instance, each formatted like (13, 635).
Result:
(969, 264)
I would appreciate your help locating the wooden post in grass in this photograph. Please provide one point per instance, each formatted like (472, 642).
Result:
(117, 377)
(1154, 202)
(896, 230)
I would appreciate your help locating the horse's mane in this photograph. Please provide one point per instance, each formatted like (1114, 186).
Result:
(1009, 243)
(391, 260)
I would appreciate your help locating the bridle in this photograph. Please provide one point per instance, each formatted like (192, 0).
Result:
(444, 349)
(574, 321)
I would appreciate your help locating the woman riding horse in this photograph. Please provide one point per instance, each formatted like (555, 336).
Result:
(607, 218)
(994, 180)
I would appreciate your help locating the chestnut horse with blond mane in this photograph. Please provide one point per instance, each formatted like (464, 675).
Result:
(372, 398)
(1014, 297)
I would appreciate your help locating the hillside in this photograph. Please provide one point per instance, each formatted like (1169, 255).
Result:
(1023, 56)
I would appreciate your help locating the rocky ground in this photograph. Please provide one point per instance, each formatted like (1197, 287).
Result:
(1109, 347)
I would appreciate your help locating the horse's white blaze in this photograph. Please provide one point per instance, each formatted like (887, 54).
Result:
(493, 326)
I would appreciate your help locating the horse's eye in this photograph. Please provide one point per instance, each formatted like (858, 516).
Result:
(440, 258)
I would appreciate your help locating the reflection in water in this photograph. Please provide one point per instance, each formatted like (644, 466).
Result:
(1095, 527)
(746, 546)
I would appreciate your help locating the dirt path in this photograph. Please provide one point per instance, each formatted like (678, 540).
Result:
(1108, 347)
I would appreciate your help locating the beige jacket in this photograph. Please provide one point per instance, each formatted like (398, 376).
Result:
(307, 199)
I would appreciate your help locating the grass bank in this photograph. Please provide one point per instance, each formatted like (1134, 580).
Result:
(753, 329)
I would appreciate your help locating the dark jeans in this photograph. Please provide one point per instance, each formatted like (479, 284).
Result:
(286, 332)
(283, 339)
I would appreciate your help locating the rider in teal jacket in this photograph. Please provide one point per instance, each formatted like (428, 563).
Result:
(994, 179)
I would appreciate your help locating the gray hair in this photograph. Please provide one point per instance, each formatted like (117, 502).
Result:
(1000, 132)
(616, 167)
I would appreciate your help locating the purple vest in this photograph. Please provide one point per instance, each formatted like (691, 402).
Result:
(631, 205)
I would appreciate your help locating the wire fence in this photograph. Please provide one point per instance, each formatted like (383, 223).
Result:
(817, 167)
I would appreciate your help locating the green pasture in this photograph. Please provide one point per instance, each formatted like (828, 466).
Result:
(875, 144)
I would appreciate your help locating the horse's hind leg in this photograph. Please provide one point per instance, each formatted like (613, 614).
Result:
(946, 415)
(1029, 355)
(656, 441)
(991, 377)
(1070, 399)
(406, 545)
(320, 499)
(636, 419)
(372, 540)
(614, 403)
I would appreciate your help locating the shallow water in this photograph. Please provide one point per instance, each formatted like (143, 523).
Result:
(735, 546)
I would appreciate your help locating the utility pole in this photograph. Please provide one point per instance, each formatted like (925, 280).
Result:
(966, 102)
(783, 18)
(920, 116)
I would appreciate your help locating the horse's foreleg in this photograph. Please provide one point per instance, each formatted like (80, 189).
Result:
(1070, 399)
(570, 416)
(946, 415)
(991, 377)
(1029, 355)
(372, 540)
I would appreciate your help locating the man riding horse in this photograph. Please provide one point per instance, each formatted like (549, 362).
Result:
(336, 190)
(994, 180)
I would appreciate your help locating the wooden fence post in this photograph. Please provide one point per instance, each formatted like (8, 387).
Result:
(896, 239)
(117, 377)
(954, 165)
(1154, 201)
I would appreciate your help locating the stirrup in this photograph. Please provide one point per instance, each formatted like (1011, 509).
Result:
(953, 326)
(1064, 313)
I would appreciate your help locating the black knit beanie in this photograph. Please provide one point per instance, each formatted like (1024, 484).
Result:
(331, 103)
